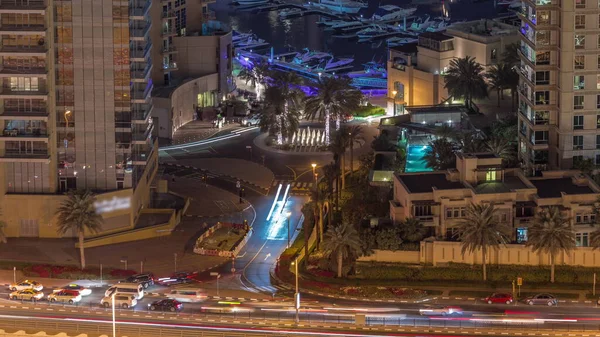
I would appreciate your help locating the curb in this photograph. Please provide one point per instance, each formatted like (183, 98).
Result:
(259, 142)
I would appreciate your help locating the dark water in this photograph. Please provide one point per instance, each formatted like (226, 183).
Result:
(302, 32)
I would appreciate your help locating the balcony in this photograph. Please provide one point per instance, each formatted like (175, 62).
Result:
(168, 15)
(11, 72)
(7, 92)
(141, 75)
(23, 51)
(169, 50)
(171, 66)
(23, 6)
(139, 10)
(140, 95)
(140, 54)
(168, 31)
(23, 30)
(41, 115)
(142, 116)
(29, 156)
(140, 33)
(140, 137)
(30, 134)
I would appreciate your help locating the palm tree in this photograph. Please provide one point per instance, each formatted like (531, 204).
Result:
(292, 97)
(334, 97)
(355, 136)
(585, 165)
(496, 77)
(330, 175)
(341, 241)
(501, 147)
(440, 155)
(445, 131)
(338, 148)
(512, 83)
(256, 76)
(318, 196)
(595, 238)
(382, 142)
(551, 233)
(464, 79)
(471, 143)
(481, 229)
(511, 54)
(412, 230)
(78, 214)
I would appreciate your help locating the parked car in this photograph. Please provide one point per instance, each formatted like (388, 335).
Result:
(165, 305)
(178, 278)
(542, 299)
(499, 298)
(145, 280)
(65, 296)
(26, 284)
(121, 300)
(441, 311)
(26, 294)
(83, 291)
(251, 120)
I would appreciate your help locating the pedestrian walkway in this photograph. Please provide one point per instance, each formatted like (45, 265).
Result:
(296, 187)
(199, 130)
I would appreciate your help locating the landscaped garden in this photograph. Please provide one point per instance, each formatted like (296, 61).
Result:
(225, 238)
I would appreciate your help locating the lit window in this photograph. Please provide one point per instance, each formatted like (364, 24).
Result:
(490, 175)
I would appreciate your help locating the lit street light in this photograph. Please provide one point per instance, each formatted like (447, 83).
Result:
(114, 322)
(67, 114)
(297, 294)
(218, 276)
(314, 167)
(394, 93)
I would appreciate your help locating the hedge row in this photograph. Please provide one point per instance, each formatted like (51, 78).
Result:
(462, 272)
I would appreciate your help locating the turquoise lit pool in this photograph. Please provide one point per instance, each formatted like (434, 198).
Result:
(414, 159)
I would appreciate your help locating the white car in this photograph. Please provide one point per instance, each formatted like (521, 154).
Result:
(26, 294)
(121, 300)
(26, 284)
(441, 311)
(252, 120)
(83, 291)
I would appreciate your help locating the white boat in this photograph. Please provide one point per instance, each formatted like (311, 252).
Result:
(342, 6)
(251, 42)
(391, 12)
(371, 31)
(289, 12)
(340, 24)
(420, 24)
(308, 56)
(331, 63)
(237, 36)
(438, 24)
(398, 41)
(251, 2)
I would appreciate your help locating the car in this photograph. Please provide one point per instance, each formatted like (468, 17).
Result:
(26, 284)
(252, 120)
(165, 305)
(65, 296)
(541, 299)
(121, 300)
(178, 278)
(441, 311)
(348, 118)
(499, 298)
(145, 280)
(26, 294)
(83, 291)
(187, 295)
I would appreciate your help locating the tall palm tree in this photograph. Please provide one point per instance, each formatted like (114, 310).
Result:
(330, 175)
(497, 80)
(471, 143)
(511, 54)
(355, 137)
(338, 148)
(412, 230)
(334, 97)
(292, 96)
(481, 229)
(256, 75)
(341, 241)
(440, 155)
(78, 214)
(501, 147)
(512, 83)
(464, 79)
(551, 233)
(318, 196)
(445, 131)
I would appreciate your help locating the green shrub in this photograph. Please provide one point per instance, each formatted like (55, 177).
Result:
(368, 110)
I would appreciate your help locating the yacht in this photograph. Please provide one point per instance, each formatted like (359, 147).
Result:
(237, 36)
(372, 31)
(250, 42)
(438, 25)
(391, 12)
(421, 24)
(331, 63)
(398, 41)
(342, 6)
(374, 75)
(340, 24)
(251, 2)
(309, 56)
(289, 12)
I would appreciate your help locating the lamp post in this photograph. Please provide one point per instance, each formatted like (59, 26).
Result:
(297, 294)
(112, 298)
(316, 178)
(218, 276)
(314, 167)
(394, 93)
(67, 114)
(288, 230)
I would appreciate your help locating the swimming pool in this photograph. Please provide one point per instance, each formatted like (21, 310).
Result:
(414, 159)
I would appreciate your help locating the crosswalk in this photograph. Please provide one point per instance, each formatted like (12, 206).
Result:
(270, 289)
(294, 185)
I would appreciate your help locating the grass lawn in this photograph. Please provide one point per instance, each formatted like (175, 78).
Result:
(223, 238)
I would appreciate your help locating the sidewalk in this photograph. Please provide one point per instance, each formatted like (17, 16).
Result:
(199, 130)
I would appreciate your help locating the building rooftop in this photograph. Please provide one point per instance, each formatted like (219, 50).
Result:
(435, 108)
(552, 188)
(508, 185)
(425, 182)
(484, 27)
(436, 36)
(409, 48)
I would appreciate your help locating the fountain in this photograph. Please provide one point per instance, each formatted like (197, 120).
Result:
(307, 137)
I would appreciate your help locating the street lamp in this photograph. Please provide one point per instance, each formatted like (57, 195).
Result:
(218, 276)
(394, 93)
(297, 294)
(112, 298)
(316, 179)
(289, 214)
(314, 167)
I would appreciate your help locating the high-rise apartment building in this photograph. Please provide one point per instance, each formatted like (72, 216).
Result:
(559, 122)
(75, 104)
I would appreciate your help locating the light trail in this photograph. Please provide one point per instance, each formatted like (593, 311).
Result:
(274, 202)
